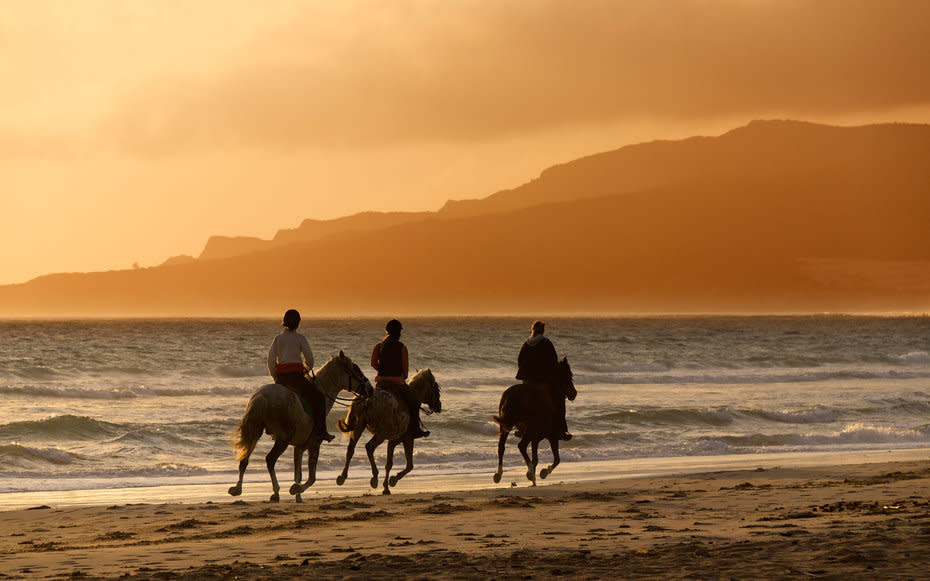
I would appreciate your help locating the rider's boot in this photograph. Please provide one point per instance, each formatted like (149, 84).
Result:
(319, 424)
(324, 435)
(566, 435)
(414, 428)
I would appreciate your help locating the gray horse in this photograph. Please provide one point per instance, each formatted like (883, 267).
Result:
(529, 408)
(277, 410)
(387, 419)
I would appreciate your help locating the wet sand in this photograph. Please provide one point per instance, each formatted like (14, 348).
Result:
(841, 521)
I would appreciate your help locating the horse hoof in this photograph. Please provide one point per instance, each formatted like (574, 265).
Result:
(340, 480)
(295, 489)
(235, 490)
(497, 478)
(543, 473)
(374, 482)
(274, 498)
(385, 491)
(298, 498)
(393, 481)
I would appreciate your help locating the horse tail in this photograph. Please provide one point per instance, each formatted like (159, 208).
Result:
(250, 428)
(504, 412)
(350, 423)
(503, 421)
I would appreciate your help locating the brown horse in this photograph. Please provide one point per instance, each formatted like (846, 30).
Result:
(387, 418)
(529, 408)
(277, 410)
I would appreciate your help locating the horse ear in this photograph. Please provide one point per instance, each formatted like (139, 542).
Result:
(341, 354)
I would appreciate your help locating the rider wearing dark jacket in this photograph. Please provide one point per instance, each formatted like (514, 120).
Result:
(537, 363)
(391, 360)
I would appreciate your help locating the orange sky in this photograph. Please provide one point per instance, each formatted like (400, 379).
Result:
(132, 131)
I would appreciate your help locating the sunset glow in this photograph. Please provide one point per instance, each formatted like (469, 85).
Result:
(133, 132)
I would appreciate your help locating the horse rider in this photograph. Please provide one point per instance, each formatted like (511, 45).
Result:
(537, 363)
(289, 360)
(391, 360)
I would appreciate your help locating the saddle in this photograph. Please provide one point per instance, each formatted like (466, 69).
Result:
(304, 400)
(392, 388)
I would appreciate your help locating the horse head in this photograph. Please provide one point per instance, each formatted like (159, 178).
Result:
(357, 382)
(427, 388)
(565, 379)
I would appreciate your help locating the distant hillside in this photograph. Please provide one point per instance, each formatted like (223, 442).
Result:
(757, 151)
(309, 230)
(772, 217)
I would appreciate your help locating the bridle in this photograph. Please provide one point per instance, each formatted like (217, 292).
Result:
(347, 401)
(435, 391)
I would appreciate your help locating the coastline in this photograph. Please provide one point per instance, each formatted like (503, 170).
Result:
(776, 517)
(257, 485)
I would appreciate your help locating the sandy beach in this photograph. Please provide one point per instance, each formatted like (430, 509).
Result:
(840, 521)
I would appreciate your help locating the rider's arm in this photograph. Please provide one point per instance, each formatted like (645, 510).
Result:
(272, 359)
(521, 361)
(550, 355)
(308, 353)
(375, 355)
(404, 362)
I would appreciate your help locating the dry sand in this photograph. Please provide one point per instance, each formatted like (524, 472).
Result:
(852, 521)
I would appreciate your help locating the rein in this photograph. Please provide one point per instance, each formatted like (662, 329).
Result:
(343, 401)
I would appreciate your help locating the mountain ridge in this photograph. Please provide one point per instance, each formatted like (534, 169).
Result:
(844, 231)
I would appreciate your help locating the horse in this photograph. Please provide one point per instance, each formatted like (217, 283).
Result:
(388, 419)
(529, 408)
(277, 410)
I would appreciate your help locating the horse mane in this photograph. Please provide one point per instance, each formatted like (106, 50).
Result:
(426, 370)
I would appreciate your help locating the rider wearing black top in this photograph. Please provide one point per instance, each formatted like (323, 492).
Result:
(391, 361)
(537, 363)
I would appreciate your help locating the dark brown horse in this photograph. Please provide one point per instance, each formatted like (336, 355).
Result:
(529, 408)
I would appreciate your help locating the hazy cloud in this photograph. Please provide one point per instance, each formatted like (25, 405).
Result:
(372, 73)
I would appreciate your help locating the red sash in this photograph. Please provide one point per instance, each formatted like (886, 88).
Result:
(290, 368)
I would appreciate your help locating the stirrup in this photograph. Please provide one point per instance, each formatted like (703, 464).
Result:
(418, 433)
(565, 436)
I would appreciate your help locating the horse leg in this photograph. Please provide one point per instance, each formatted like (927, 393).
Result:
(388, 464)
(554, 444)
(298, 475)
(350, 451)
(373, 443)
(500, 454)
(501, 444)
(279, 447)
(313, 454)
(530, 467)
(535, 455)
(236, 489)
(408, 455)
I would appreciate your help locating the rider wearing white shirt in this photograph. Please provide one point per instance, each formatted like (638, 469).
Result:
(289, 359)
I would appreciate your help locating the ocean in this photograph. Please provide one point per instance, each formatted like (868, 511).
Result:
(88, 406)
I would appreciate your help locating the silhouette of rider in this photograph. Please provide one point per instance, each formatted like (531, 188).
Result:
(538, 363)
(289, 359)
(391, 361)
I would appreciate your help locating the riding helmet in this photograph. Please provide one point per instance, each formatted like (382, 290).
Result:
(291, 319)
(393, 327)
